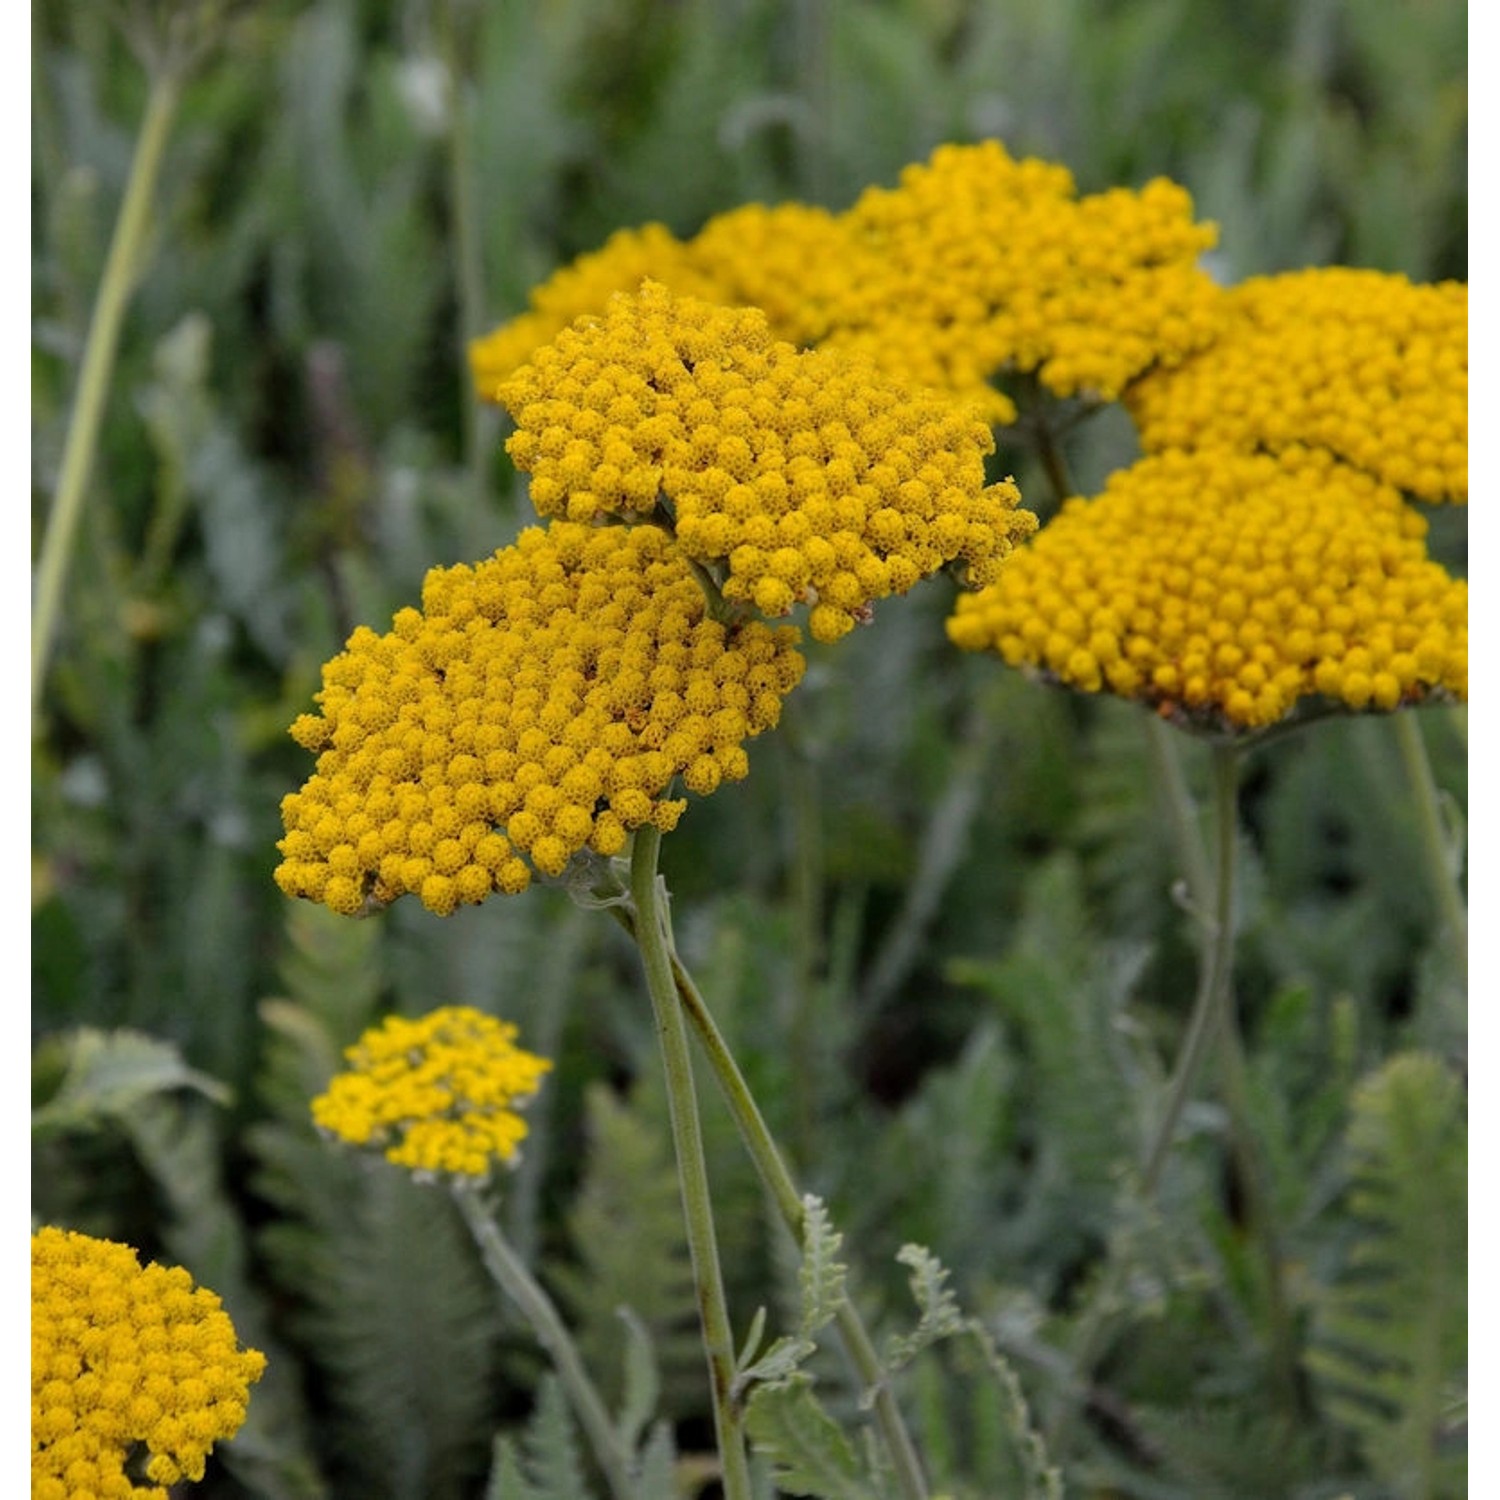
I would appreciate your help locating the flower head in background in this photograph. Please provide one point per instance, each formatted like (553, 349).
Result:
(1362, 363)
(976, 265)
(802, 477)
(124, 1356)
(985, 265)
(539, 703)
(1224, 587)
(440, 1094)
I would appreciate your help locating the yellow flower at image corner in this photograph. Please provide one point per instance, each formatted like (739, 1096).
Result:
(1223, 588)
(804, 476)
(978, 265)
(1362, 363)
(125, 1356)
(438, 1095)
(538, 705)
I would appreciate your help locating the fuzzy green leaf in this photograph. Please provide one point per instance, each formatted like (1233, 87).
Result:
(809, 1453)
(106, 1073)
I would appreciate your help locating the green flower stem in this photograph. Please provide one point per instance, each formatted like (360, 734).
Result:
(1437, 863)
(98, 365)
(1254, 1177)
(1215, 996)
(692, 1169)
(777, 1180)
(537, 1308)
(1211, 1009)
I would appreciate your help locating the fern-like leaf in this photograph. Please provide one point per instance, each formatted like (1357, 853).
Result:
(1390, 1334)
(809, 1453)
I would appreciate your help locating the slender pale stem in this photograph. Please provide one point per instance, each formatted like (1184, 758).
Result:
(692, 1168)
(103, 340)
(783, 1190)
(1211, 1009)
(778, 1182)
(1437, 863)
(538, 1309)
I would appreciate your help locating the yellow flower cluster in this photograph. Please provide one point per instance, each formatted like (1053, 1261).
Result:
(540, 702)
(438, 1094)
(975, 265)
(1361, 363)
(124, 1356)
(804, 475)
(1223, 586)
(979, 264)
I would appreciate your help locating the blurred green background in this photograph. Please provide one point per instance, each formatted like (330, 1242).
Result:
(937, 920)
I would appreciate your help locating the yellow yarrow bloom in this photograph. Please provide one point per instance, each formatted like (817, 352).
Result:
(978, 265)
(539, 703)
(1223, 587)
(1362, 363)
(437, 1095)
(803, 477)
(124, 1356)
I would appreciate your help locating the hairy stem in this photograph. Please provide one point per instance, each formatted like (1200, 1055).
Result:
(537, 1308)
(82, 440)
(692, 1167)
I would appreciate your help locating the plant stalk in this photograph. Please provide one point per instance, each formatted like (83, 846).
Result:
(777, 1180)
(537, 1308)
(82, 439)
(1437, 865)
(692, 1168)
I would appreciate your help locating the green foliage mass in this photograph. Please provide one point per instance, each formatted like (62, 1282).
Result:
(938, 924)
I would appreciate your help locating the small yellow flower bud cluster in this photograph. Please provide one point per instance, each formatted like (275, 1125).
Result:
(1362, 363)
(540, 702)
(1223, 586)
(436, 1095)
(804, 475)
(124, 1356)
(977, 264)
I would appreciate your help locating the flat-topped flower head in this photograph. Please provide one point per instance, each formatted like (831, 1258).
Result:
(978, 265)
(540, 703)
(125, 1357)
(440, 1095)
(1223, 587)
(1362, 363)
(799, 477)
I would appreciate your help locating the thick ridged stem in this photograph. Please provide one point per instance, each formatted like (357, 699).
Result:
(94, 378)
(512, 1277)
(692, 1166)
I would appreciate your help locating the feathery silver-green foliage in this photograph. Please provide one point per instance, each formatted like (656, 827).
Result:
(1389, 1333)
